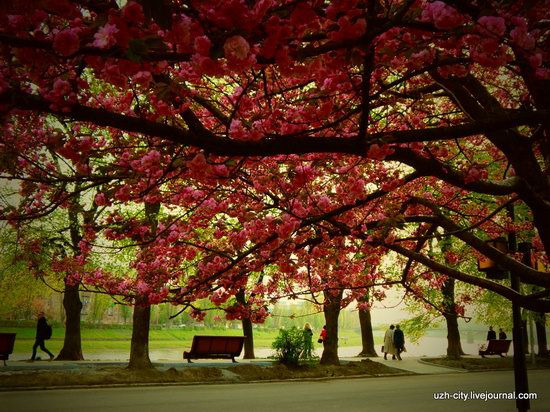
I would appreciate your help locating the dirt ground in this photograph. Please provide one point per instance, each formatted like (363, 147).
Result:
(119, 375)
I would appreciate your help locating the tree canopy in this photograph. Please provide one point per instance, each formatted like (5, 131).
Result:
(309, 137)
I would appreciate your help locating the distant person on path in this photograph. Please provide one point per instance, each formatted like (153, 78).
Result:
(502, 334)
(491, 334)
(42, 333)
(388, 343)
(398, 341)
(308, 341)
(323, 335)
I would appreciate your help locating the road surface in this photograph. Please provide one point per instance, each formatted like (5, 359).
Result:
(410, 393)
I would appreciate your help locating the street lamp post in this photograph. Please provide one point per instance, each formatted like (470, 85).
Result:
(494, 272)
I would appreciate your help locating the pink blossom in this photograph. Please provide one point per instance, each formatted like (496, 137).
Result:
(143, 78)
(493, 25)
(66, 42)
(349, 29)
(61, 88)
(323, 203)
(535, 60)
(520, 37)
(203, 45)
(123, 194)
(237, 130)
(475, 173)
(443, 16)
(104, 38)
(198, 162)
(182, 32)
(542, 73)
(357, 187)
(379, 152)
(133, 12)
(236, 47)
(100, 199)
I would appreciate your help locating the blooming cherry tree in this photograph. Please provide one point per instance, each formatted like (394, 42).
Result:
(266, 129)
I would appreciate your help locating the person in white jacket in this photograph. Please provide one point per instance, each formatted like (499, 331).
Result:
(388, 343)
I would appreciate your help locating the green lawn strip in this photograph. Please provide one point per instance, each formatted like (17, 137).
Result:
(96, 340)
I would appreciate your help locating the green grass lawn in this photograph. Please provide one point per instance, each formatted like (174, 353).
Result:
(97, 340)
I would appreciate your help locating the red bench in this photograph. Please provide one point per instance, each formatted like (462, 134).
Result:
(7, 341)
(215, 347)
(496, 347)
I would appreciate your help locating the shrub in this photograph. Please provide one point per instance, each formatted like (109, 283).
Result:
(288, 346)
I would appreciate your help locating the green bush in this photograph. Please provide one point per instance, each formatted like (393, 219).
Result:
(288, 346)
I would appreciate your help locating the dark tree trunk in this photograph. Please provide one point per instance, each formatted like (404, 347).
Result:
(72, 345)
(248, 339)
(330, 345)
(540, 325)
(248, 332)
(139, 349)
(454, 347)
(525, 333)
(367, 338)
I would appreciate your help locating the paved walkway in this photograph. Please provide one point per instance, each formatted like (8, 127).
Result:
(416, 365)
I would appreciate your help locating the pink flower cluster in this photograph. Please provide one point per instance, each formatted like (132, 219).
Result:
(236, 48)
(66, 42)
(443, 16)
(105, 36)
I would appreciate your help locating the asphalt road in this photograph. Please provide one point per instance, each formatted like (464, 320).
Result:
(410, 393)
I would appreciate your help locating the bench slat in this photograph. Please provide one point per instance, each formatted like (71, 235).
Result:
(7, 341)
(227, 347)
(496, 347)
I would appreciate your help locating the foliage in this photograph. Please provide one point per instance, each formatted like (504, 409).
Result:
(289, 345)
(286, 146)
(22, 294)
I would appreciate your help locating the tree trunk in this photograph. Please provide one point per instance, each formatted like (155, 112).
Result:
(139, 350)
(248, 339)
(540, 325)
(367, 338)
(330, 344)
(72, 345)
(524, 331)
(248, 332)
(454, 347)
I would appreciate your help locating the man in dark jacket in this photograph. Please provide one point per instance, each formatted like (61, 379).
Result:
(398, 341)
(491, 334)
(42, 332)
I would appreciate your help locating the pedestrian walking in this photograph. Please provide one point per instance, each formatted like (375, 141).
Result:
(43, 332)
(388, 343)
(398, 341)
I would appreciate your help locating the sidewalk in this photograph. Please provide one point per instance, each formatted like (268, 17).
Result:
(417, 365)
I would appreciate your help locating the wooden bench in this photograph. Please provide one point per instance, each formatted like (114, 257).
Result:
(496, 347)
(7, 341)
(215, 347)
